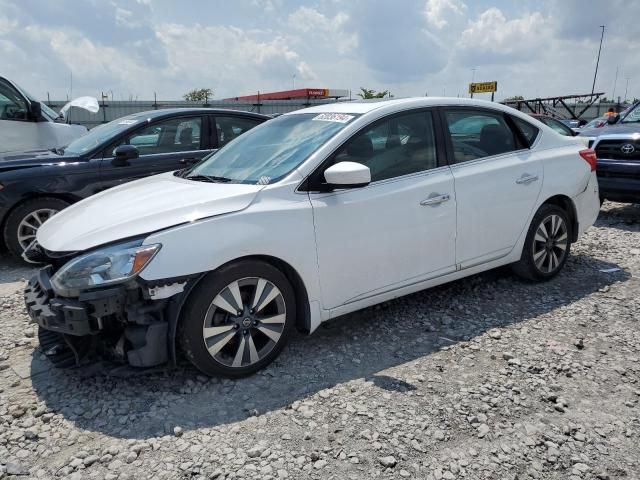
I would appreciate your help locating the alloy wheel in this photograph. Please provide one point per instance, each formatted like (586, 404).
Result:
(550, 243)
(29, 225)
(244, 322)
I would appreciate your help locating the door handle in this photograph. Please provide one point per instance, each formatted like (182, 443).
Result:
(188, 161)
(526, 179)
(435, 199)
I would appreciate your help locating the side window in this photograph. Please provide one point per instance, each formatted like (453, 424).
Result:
(477, 134)
(174, 135)
(229, 128)
(528, 131)
(399, 146)
(12, 105)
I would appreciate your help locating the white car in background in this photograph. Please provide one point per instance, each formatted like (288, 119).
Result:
(28, 124)
(309, 216)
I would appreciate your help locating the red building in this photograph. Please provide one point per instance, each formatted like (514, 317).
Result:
(297, 94)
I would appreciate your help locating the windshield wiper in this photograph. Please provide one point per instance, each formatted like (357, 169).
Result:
(57, 151)
(208, 178)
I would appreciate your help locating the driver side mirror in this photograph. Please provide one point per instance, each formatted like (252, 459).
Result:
(347, 175)
(123, 153)
(35, 109)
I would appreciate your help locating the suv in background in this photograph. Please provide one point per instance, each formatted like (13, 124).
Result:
(617, 146)
(28, 124)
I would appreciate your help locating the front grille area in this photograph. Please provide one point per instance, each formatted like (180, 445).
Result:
(619, 149)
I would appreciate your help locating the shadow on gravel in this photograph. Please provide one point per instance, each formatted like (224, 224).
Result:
(13, 269)
(623, 216)
(361, 345)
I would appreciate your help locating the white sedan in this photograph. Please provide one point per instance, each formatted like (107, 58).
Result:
(312, 215)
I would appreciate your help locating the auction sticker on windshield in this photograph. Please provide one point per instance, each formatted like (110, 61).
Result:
(333, 117)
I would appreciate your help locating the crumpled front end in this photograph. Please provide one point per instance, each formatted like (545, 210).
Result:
(130, 323)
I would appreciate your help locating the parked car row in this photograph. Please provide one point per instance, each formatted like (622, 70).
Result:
(35, 185)
(307, 216)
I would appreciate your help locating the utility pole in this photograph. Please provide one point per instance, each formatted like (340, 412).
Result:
(293, 81)
(473, 78)
(615, 83)
(593, 87)
(625, 90)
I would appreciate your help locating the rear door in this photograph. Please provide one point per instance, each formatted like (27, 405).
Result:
(229, 127)
(497, 181)
(164, 145)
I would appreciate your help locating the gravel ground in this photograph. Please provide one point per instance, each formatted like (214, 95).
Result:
(487, 378)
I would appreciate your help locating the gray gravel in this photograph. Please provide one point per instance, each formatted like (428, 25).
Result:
(487, 378)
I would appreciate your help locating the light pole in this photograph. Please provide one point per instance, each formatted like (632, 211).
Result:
(293, 81)
(473, 77)
(593, 87)
(615, 84)
(625, 90)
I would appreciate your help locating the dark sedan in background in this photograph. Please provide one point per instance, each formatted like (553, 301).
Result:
(35, 185)
(556, 124)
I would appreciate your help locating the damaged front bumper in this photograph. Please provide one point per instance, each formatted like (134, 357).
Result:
(130, 323)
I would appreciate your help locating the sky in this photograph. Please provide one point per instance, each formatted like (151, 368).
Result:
(135, 48)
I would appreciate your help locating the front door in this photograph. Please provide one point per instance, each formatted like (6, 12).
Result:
(497, 182)
(395, 231)
(163, 146)
(18, 130)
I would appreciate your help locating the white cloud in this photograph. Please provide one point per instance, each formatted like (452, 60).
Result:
(423, 46)
(332, 30)
(230, 59)
(494, 38)
(440, 13)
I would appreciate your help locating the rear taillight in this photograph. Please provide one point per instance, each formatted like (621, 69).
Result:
(590, 157)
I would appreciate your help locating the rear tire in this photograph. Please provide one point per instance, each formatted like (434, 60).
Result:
(238, 319)
(23, 222)
(547, 245)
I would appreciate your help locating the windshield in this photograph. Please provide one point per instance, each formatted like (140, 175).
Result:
(633, 116)
(100, 135)
(268, 152)
(596, 122)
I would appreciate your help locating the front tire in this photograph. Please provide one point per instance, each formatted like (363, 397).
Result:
(25, 220)
(238, 319)
(547, 245)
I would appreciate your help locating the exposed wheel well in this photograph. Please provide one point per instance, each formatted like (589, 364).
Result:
(303, 312)
(567, 205)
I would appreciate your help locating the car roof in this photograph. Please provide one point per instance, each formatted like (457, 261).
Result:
(166, 112)
(366, 106)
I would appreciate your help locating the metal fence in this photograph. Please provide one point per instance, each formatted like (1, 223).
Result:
(111, 110)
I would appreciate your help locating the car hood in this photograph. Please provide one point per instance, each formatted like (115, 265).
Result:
(618, 128)
(141, 207)
(32, 158)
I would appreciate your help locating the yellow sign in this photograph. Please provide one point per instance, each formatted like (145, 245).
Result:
(483, 87)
